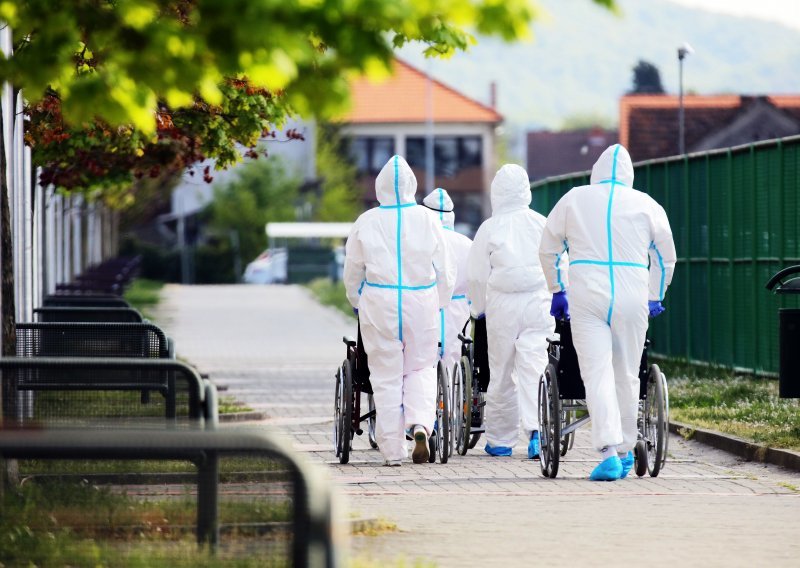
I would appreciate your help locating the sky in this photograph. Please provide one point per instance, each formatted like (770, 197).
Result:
(786, 12)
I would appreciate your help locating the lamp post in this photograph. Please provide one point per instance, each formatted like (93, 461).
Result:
(683, 51)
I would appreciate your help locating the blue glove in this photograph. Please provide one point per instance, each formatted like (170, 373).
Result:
(655, 308)
(355, 311)
(480, 317)
(559, 307)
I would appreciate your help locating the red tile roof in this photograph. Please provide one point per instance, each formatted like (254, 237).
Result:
(403, 99)
(648, 124)
(557, 153)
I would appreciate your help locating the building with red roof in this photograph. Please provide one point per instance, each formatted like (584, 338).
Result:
(648, 124)
(392, 117)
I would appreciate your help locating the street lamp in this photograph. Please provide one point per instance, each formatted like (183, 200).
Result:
(683, 51)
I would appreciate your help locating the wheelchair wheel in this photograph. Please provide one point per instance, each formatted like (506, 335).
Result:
(549, 422)
(655, 421)
(463, 416)
(344, 409)
(442, 432)
(473, 441)
(640, 458)
(666, 419)
(569, 439)
(456, 408)
(477, 402)
(371, 423)
(338, 404)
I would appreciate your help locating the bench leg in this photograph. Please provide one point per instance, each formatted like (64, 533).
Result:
(207, 501)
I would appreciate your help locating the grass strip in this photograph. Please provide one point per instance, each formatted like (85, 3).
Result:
(144, 295)
(329, 293)
(714, 398)
(63, 524)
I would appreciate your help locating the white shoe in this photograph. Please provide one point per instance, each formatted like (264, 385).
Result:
(393, 463)
(420, 454)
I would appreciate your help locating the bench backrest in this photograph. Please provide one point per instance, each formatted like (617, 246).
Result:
(79, 391)
(138, 340)
(88, 315)
(85, 301)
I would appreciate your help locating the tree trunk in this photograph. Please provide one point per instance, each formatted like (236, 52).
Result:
(7, 305)
(7, 308)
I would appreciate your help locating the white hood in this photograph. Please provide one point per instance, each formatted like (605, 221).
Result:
(396, 183)
(511, 190)
(440, 203)
(614, 163)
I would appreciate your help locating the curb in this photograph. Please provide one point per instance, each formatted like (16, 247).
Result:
(750, 451)
(249, 416)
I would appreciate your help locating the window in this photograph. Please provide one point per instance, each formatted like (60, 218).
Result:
(451, 154)
(370, 153)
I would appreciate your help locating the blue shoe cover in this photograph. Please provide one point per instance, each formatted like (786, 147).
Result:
(610, 469)
(533, 446)
(497, 450)
(627, 465)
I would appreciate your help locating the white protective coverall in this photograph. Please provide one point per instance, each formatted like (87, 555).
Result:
(398, 273)
(456, 314)
(609, 228)
(506, 283)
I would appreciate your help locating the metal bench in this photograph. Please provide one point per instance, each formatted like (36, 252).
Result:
(88, 315)
(85, 301)
(104, 392)
(308, 538)
(81, 339)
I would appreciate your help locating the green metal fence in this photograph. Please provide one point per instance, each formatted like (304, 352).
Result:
(735, 216)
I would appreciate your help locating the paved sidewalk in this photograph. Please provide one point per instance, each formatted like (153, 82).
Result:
(276, 349)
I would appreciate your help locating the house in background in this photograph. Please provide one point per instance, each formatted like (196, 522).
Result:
(648, 124)
(557, 153)
(391, 118)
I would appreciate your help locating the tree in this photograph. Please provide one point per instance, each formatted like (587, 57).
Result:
(646, 79)
(262, 192)
(131, 64)
(339, 198)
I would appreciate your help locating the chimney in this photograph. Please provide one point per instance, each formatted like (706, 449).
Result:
(493, 94)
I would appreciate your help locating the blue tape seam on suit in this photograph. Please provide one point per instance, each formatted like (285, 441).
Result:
(613, 182)
(558, 268)
(605, 263)
(663, 271)
(399, 249)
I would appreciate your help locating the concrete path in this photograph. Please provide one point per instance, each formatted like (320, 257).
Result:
(276, 349)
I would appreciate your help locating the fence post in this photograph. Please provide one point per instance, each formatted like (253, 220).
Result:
(731, 252)
(754, 262)
(709, 237)
(688, 251)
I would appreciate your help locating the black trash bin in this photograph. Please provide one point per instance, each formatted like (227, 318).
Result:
(787, 281)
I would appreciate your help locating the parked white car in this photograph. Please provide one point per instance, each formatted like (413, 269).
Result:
(268, 268)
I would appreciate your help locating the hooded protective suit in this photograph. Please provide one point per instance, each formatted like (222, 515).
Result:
(456, 314)
(398, 273)
(609, 228)
(506, 283)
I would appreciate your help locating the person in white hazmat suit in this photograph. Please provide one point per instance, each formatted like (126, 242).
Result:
(398, 275)
(506, 283)
(456, 315)
(609, 229)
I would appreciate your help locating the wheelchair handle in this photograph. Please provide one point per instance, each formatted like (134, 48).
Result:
(779, 279)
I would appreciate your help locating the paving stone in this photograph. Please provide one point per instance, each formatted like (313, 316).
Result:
(276, 350)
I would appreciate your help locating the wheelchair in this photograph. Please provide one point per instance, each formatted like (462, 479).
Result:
(352, 380)
(563, 409)
(468, 393)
